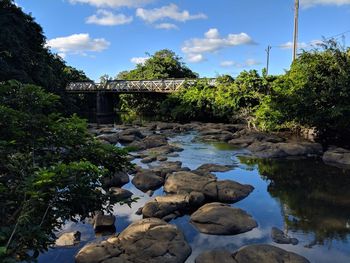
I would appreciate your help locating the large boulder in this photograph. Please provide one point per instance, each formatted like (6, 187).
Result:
(145, 180)
(223, 191)
(171, 206)
(117, 180)
(167, 168)
(68, 239)
(150, 141)
(338, 156)
(222, 219)
(102, 221)
(209, 167)
(149, 240)
(285, 149)
(120, 193)
(251, 254)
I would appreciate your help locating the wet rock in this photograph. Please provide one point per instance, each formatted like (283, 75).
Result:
(68, 239)
(149, 159)
(166, 168)
(165, 126)
(163, 150)
(150, 141)
(208, 168)
(102, 221)
(339, 156)
(216, 135)
(213, 190)
(147, 240)
(222, 219)
(125, 139)
(163, 206)
(173, 155)
(145, 180)
(132, 132)
(161, 159)
(260, 253)
(285, 149)
(117, 180)
(120, 193)
(112, 138)
(280, 237)
(170, 206)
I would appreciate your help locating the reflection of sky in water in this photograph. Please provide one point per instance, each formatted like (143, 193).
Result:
(266, 210)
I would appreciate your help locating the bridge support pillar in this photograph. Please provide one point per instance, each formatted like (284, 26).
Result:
(105, 108)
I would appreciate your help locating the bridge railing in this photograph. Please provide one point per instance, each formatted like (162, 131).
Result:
(130, 86)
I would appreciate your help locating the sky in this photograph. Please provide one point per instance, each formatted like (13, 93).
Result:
(212, 36)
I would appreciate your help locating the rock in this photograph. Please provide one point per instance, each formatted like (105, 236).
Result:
(285, 149)
(102, 221)
(222, 219)
(139, 211)
(131, 132)
(149, 159)
(245, 138)
(216, 135)
(68, 239)
(165, 126)
(111, 138)
(170, 206)
(163, 206)
(120, 193)
(173, 155)
(213, 190)
(280, 237)
(161, 159)
(208, 168)
(230, 191)
(145, 180)
(251, 254)
(215, 256)
(125, 139)
(167, 168)
(149, 240)
(162, 150)
(117, 180)
(339, 156)
(150, 141)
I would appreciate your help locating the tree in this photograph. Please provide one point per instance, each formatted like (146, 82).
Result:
(51, 170)
(164, 64)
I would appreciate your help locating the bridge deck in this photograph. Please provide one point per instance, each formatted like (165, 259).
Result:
(133, 86)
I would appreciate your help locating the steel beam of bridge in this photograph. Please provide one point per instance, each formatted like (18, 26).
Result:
(134, 86)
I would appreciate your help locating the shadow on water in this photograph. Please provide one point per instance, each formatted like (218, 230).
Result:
(315, 197)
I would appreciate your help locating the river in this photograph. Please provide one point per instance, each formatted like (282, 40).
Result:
(304, 197)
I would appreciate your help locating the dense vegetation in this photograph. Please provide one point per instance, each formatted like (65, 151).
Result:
(313, 94)
(51, 168)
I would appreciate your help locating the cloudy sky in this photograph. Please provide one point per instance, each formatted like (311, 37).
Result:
(213, 37)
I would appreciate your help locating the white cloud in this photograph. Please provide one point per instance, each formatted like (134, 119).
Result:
(310, 3)
(213, 42)
(113, 3)
(195, 58)
(107, 18)
(170, 11)
(78, 44)
(139, 60)
(227, 63)
(301, 45)
(252, 62)
(167, 26)
(247, 63)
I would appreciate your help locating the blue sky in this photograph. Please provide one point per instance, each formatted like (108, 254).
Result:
(213, 37)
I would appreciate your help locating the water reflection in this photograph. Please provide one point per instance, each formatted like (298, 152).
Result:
(315, 198)
(304, 197)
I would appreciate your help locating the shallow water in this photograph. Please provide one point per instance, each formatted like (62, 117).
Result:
(306, 198)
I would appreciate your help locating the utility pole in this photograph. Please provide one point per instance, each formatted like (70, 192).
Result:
(268, 59)
(296, 27)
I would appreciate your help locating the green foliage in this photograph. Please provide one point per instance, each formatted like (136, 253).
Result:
(50, 170)
(315, 92)
(164, 64)
(25, 57)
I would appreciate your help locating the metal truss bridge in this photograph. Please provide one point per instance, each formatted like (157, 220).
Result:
(134, 86)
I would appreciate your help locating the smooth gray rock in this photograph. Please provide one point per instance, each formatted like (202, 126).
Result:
(222, 219)
(117, 180)
(120, 193)
(149, 240)
(280, 237)
(339, 156)
(145, 180)
(260, 253)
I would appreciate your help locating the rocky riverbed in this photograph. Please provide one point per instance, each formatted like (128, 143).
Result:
(200, 201)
